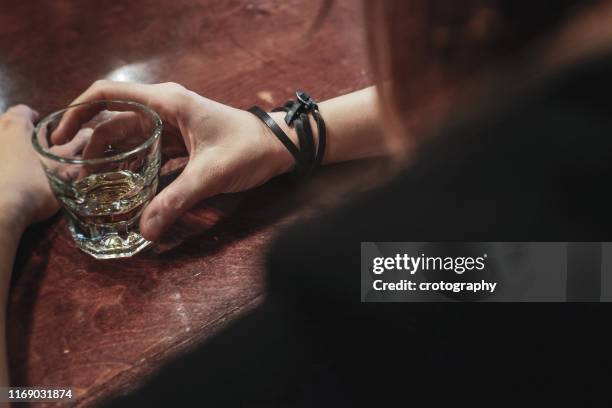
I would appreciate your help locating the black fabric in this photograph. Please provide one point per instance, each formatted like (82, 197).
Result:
(538, 167)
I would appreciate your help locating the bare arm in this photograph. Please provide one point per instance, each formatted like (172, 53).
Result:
(229, 149)
(10, 232)
(352, 125)
(25, 198)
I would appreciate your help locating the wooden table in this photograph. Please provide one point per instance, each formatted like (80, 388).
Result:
(103, 326)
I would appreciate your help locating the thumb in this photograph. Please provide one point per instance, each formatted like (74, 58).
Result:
(24, 112)
(173, 201)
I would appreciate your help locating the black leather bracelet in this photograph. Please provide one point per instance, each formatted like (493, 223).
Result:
(280, 135)
(297, 115)
(307, 160)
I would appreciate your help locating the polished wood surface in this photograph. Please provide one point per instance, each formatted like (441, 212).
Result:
(103, 326)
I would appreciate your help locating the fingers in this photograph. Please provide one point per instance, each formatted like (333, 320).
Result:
(74, 147)
(120, 133)
(160, 97)
(75, 117)
(173, 201)
(23, 112)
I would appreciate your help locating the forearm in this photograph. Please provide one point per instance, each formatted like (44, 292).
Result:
(353, 127)
(11, 229)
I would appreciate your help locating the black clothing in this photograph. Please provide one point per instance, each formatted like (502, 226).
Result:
(535, 168)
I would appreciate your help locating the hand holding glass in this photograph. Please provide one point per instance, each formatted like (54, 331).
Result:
(104, 172)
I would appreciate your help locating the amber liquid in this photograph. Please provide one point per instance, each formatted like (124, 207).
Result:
(103, 210)
(110, 198)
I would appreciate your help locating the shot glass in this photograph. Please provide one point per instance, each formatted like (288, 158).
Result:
(102, 161)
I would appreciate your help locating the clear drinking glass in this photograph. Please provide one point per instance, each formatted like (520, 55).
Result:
(102, 161)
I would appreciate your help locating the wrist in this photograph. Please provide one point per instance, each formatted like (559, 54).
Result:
(279, 118)
(14, 216)
(285, 160)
